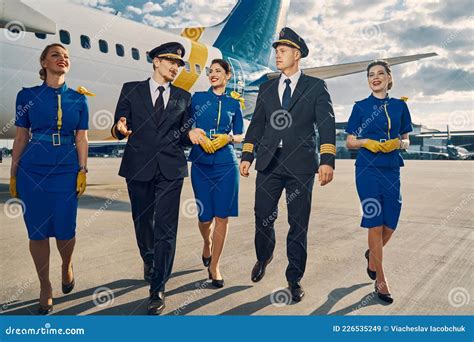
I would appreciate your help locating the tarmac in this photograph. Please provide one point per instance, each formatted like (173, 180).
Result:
(428, 262)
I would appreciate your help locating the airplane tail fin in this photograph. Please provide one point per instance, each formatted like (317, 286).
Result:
(247, 32)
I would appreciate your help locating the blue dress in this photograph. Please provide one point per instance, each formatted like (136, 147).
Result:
(215, 177)
(378, 174)
(46, 176)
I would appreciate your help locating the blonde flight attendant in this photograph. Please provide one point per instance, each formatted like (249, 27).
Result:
(48, 171)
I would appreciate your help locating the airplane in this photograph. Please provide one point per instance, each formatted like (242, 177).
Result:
(449, 151)
(107, 50)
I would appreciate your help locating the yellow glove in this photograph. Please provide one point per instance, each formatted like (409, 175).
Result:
(373, 146)
(220, 140)
(81, 183)
(206, 144)
(390, 145)
(13, 191)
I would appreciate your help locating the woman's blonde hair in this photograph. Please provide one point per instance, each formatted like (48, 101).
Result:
(387, 68)
(42, 72)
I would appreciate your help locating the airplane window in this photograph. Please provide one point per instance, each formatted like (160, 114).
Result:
(187, 67)
(135, 54)
(120, 50)
(207, 71)
(40, 35)
(148, 57)
(198, 69)
(64, 37)
(103, 46)
(85, 42)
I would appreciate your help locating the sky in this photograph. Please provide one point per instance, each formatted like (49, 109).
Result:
(440, 89)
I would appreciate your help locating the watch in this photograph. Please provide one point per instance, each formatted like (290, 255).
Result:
(83, 168)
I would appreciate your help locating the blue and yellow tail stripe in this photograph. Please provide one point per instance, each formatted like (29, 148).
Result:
(198, 55)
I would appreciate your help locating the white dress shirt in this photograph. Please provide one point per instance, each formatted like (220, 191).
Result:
(282, 86)
(155, 92)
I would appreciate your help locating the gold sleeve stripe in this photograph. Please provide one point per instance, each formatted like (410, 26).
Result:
(327, 148)
(248, 147)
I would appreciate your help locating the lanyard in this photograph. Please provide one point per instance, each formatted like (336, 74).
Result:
(60, 113)
(388, 119)
(219, 116)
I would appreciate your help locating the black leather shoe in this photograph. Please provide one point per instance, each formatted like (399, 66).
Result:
(385, 297)
(69, 287)
(147, 271)
(45, 310)
(258, 270)
(372, 274)
(297, 292)
(156, 303)
(219, 283)
(206, 261)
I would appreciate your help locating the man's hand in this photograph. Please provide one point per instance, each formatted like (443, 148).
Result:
(325, 174)
(122, 127)
(244, 168)
(195, 135)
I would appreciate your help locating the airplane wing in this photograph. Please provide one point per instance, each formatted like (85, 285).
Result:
(31, 20)
(337, 70)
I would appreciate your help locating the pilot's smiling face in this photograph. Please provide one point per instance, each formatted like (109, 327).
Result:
(167, 68)
(56, 61)
(286, 57)
(378, 78)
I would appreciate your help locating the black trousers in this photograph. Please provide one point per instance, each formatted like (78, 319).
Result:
(155, 212)
(269, 186)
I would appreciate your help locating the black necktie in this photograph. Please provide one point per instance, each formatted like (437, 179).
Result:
(285, 103)
(159, 106)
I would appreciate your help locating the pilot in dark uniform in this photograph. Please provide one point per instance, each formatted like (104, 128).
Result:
(379, 127)
(155, 116)
(282, 132)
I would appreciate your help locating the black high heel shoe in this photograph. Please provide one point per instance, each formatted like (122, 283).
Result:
(219, 283)
(69, 287)
(385, 297)
(372, 274)
(206, 261)
(45, 310)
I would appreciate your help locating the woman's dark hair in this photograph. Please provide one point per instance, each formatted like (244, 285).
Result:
(387, 68)
(222, 63)
(42, 72)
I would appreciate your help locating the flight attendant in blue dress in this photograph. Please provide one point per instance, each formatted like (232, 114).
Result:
(48, 171)
(214, 171)
(379, 127)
